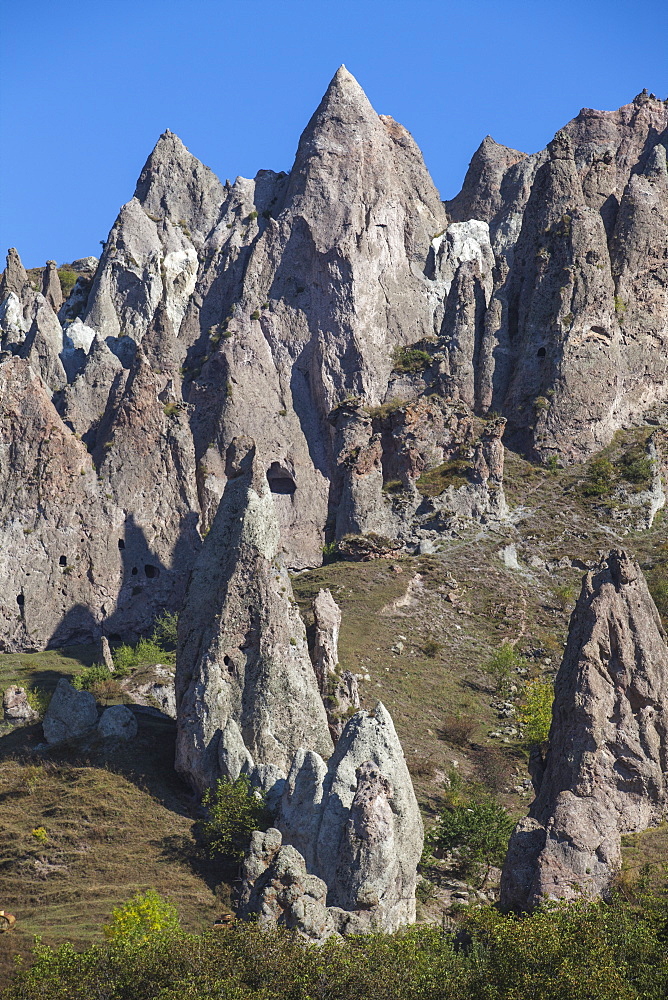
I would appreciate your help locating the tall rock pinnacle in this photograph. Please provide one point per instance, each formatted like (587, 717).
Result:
(242, 651)
(605, 773)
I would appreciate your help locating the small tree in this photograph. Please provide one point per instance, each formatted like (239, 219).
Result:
(234, 810)
(145, 915)
(501, 667)
(535, 713)
(478, 831)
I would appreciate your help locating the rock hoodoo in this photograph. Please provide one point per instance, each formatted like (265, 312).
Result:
(242, 651)
(606, 769)
(338, 688)
(347, 842)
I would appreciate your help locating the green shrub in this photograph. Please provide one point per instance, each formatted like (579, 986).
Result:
(431, 648)
(502, 665)
(91, 676)
(479, 831)
(38, 699)
(165, 630)
(255, 314)
(234, 810)
(600, 478)
(535, 713)
(410, 359)
(636, 467)
(145, 915)
(68, 280)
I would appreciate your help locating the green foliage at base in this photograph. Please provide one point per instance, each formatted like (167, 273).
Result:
(478, 831)
(90, 677)
(581, 951)
(502, 665)
(410, 359)
(535, 712)
(142, 918)
(234, 810)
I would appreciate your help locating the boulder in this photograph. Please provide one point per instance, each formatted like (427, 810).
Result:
(16, 706)
(117, 722)
(71, 713)
(605, 770)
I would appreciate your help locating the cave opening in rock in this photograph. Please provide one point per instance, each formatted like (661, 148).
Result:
(20, 600)
(541, 352)
(151, 571)
(121, 544)
(63, 561)
(280, 480)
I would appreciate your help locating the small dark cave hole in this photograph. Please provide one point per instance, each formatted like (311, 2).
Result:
(228, 663)
(20, 600)
(151, 571)
(541, 352)
(121, 544)
(134, 570)
(280, 480)
(63, 561)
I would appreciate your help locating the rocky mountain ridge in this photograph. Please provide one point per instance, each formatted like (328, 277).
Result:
(362, 332)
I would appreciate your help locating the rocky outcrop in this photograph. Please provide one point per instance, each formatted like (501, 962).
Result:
(355, 825)
(242, 651)
(117, 722)
(51, 289)
(16, 706)
(71, 713)
(606, 770)
(338, 688)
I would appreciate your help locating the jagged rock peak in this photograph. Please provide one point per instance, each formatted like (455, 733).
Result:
(605, 769)
(480, 197)
(14, 278)
(176, 185)
(242, 650)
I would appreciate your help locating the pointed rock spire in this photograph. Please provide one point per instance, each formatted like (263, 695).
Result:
(480, 197)
(604, 774)
(51, 289)
(14, 278)
(175, 185)
(242, 644)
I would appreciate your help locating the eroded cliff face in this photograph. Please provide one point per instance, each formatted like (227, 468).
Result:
(360, 331)
(606, 769)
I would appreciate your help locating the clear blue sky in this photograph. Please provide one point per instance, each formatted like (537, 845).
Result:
(86, 89)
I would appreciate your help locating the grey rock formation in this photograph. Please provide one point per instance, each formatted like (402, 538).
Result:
(117, 722)
(338, 688)
(606, 771)
(16, 706)
(279, 891)
(71, 713)
(51, 289)
(105, 654)
(155, 689)
(354, 825)
(242, 645)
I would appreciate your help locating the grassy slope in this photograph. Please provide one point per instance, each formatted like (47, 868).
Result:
(121, 821)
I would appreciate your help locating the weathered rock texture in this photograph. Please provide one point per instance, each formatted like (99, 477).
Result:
(348, 840)
(338, 688)
(71, 713)
(16, 705)
(606, 770)
(281, 308)
(242, 651)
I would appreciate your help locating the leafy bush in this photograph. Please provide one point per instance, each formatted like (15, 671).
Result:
(145, 915)
(479, 832)
(234, 810)
(431, 648)
(600, 478)
(90, 677)
(636, 467)
(457, 728)
(145, 653)
(452, 473)
(576, 951)
(502, 665)
(165, 630)
(410, 359)
(535, 713)
(38, 699)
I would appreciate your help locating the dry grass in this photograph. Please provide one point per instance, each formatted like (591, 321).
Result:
(118, 822)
